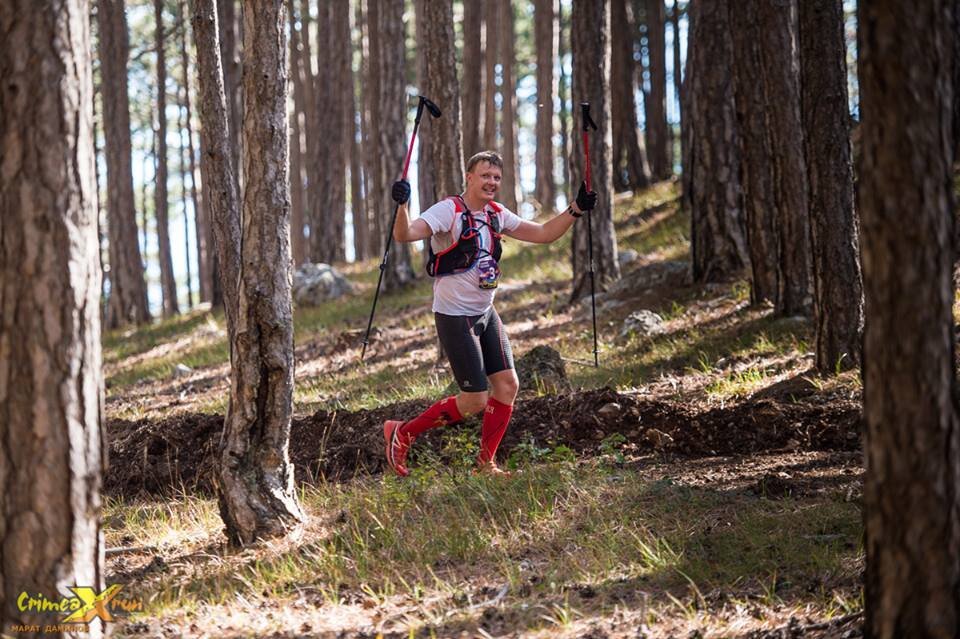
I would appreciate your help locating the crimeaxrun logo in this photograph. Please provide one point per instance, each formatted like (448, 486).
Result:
(83, 607)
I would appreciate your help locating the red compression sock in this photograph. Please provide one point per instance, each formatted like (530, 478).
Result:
(440, 414)
(495, 420)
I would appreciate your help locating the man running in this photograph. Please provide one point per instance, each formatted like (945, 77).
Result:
(464, 232)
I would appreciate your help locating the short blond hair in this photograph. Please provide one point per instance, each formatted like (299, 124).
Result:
(492, 157)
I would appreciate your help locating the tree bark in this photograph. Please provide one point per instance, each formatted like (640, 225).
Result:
(677, 80)
(201, 220)
(630, 168)
(51, 387)
(545, 36)
(371, 140)
(311, 136)
(510, 186)
(168, 282)
(361, 230)
(591, 68)
(491, 56)
(296, 134)
(911, 437)
(718, 241)
(232, 71)
(834, 229)
(392, 130)
(128, 290)
(472, 84)
(446, 154)
(658, 149)
(184, 195)
(255, 488)
(426, 178)
(340, 149)
(564, 95)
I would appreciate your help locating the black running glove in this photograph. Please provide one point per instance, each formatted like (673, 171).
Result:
(586, 200)
(401, 191)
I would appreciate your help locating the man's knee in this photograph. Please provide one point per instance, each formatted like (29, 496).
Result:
(470, 403)
(505, 385)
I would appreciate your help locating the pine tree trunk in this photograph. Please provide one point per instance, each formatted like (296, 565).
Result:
(911, 436)
(296, 151)
(311, 136)
(168, 282)
(491, 57)
(426, 175)
(630, 168)
(677, 81)
(392, 129)
(361, 231)
(472, 84)
(128, 290)
(201, 220)
(545, 37)
(756, 147)
(232, 75)
(591, 66)
(255, 477)
(184, 195)
(657, 131)
(340, 151)
(510, 193)
(440, 75)
(718, 240)
(781, 82)
(564, 95)
(371, 142)
(834, 230)
(51, 387)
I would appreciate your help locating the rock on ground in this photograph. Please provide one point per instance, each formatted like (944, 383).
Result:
(314, 284)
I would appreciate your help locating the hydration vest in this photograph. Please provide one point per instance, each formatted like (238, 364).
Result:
(466, 250)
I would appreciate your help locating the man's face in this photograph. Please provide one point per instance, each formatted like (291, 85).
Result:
(483, 182)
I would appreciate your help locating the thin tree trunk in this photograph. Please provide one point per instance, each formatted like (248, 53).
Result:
(677, 80)
(296, 153)
(473, 70)
(591, 67)
(358, 211)
(657, 135)
(491, 57)
(168, 282)
(834, 229)
(183, 200)
(510, 186)
(545, 36)
(311, 135)
(630, 168)
(371, 141)
(128, 290)
(201, 221)
(718, 240)
(564, 94)
(340, 149)
(426, 177)
(911, 435)
(392, 129)
(51, 384)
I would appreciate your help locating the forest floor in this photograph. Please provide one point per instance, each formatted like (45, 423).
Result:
(702, 482)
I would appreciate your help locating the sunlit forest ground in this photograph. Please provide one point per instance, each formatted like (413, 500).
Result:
(617, 539)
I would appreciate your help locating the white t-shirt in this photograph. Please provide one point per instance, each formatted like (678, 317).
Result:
(460, 293)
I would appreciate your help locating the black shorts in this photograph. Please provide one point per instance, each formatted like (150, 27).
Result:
(476, 346)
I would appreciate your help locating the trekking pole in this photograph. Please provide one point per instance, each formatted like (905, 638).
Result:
(435, 112)
(587, 124)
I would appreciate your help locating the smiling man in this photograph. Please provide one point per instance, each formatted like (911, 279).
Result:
(465, 232)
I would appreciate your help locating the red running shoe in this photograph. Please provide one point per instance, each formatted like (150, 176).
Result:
(397, 445)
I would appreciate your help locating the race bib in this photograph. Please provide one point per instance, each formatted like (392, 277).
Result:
(489, 273)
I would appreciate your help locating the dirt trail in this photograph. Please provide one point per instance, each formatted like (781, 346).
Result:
(178, 453)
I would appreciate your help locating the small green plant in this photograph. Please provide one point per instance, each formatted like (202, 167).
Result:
(611, 448)
(527, 453)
